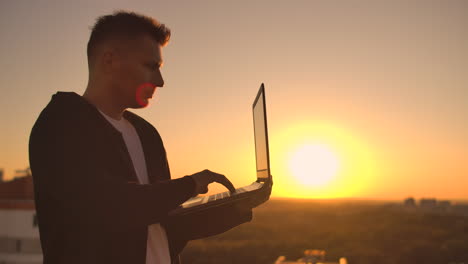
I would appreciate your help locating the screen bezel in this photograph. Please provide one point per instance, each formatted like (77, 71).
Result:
(261, 177)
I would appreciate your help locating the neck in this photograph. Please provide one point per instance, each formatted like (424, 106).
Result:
(102, 101)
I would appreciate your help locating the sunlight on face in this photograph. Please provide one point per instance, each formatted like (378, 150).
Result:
(314, 165)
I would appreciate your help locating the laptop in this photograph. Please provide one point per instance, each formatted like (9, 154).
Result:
(262, 157)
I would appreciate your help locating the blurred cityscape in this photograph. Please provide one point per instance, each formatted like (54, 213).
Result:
(19, 233)
(427, 230)
(435, 206)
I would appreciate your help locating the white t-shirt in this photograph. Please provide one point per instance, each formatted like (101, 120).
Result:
(157, 248)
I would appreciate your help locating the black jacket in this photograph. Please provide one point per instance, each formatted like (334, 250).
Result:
(89, 206)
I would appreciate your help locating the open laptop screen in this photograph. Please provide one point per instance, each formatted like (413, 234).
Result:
(261, 135)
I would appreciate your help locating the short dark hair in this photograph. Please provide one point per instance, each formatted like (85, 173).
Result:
(123, 25)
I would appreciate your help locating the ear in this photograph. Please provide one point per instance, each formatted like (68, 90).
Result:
(107, 61)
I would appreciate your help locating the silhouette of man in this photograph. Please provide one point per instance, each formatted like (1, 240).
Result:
(102, 183)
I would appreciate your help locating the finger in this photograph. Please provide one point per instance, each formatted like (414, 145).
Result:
(224, 181)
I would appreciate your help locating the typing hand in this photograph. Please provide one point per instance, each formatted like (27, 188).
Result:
(205, 177)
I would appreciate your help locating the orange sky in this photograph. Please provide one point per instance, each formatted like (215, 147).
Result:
(381, 83)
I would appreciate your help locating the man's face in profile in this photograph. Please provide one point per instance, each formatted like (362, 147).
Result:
(137, 73)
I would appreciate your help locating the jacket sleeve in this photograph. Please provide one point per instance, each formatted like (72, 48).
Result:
(181, 229)
(69, 178)
(206, 223)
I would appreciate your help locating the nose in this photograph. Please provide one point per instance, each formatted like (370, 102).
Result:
(158, 79)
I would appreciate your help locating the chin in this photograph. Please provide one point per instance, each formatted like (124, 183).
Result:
(140, 103)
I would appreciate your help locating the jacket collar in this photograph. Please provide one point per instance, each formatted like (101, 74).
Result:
(115, 136)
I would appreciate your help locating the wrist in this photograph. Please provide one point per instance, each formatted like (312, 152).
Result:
(195, 186)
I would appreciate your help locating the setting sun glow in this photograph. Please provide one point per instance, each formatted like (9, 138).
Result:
(321, 160)
(314, 165)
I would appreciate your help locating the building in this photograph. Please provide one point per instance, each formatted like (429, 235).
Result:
(19, 233)
(445, 204)
(428, 203)
(410, 202)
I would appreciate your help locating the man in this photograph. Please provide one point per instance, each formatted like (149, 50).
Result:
(102, 183)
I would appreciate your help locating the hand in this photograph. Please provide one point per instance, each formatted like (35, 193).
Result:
(205, 177)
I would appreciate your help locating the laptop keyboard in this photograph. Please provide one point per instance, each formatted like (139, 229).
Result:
(205, 199)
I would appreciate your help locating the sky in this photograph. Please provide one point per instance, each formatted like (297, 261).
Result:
(380, 85)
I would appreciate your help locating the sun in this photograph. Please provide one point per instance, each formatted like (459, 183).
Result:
(321, 160)
(314, 165)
